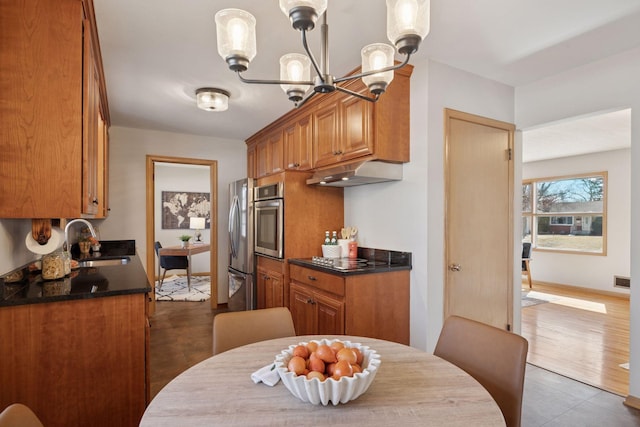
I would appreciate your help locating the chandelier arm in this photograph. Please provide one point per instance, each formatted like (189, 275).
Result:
(372, 72)
(358, 95)
(310, 55)
(308, 97)
(274, 82)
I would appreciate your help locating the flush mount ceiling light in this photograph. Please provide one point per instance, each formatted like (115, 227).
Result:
(212, 99)
(407, 26)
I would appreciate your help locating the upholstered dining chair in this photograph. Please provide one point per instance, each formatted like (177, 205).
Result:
(494, 357)
(171, 262)
(19, 415)
(236, 328)
(526, 258)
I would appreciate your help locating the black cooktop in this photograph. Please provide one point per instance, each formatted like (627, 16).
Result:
(368, 261)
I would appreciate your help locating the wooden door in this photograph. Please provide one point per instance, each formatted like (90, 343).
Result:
(478, 219)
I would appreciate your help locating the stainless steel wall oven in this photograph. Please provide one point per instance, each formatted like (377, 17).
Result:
(269, 220)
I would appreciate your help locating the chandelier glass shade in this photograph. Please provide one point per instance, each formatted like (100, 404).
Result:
(407, 26)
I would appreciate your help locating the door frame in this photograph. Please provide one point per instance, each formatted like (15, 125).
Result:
(151, 226)
(460, 115)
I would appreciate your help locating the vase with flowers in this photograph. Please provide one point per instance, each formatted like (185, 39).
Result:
(86, 243)
(184, 240)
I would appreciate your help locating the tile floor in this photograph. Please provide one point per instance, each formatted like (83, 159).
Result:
(553, 400)
(181, 336)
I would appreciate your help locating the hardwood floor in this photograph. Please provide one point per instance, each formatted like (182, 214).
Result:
(181, 336)
(579, 334)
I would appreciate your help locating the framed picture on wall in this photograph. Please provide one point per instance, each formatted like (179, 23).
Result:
(179, 206)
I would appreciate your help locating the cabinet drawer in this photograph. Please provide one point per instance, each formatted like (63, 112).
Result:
(324, 281)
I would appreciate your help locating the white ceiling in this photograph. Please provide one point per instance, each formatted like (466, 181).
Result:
(157, 52)
(584, 135)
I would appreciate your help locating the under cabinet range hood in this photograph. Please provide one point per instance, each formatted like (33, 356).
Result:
(360, 173)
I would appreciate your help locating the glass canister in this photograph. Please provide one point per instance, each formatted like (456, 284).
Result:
(66, 259)
(53, 266)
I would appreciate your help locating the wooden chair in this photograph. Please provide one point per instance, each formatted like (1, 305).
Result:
(237, 328)
(19, 415)
(494, 357)
(526, 258)
(172, 262)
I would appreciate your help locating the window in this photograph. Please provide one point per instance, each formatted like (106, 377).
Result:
(566, 214)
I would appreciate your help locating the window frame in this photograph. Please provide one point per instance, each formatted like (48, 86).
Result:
(530, 213)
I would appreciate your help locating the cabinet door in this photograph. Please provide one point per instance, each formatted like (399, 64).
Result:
(90, 128)
(297, 140)
(103, 168)
(251, 161)
(261, 287)
(356, 130)
(329, 315)
(302, 309)
(326, 126)
(274, 290)
(276, 157)
(263, 159)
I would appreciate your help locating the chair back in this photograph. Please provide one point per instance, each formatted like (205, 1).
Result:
(526, 255)
(158, 246)
(237, 328)
(494, 357)
(19, 415)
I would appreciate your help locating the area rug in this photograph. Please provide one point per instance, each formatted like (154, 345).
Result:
(175, 288)
(528, 301)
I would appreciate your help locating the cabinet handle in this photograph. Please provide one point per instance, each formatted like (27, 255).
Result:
(312, 278)
(95, 201)
(266, 277)
(310, 301)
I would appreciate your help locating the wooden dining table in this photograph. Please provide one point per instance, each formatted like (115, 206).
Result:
(412, 387)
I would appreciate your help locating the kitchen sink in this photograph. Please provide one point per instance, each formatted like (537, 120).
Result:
(104, 262)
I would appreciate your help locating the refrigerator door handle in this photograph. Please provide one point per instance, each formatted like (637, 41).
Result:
(233, 227)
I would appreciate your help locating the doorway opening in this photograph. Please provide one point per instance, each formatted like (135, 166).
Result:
(580, 325)
(152, 216)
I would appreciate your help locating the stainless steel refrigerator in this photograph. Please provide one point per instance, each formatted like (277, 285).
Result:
(242, 290)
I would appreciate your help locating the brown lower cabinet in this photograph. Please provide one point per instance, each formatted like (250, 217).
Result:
(370, 305)
(270, 283)
(77, 363)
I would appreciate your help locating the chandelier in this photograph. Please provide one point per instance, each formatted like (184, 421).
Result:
(407, 26)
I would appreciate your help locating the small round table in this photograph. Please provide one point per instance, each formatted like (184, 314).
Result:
(412, 387)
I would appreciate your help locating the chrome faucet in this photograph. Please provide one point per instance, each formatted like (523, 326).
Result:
(67, 247)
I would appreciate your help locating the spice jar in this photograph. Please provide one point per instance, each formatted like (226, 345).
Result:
(53, 266)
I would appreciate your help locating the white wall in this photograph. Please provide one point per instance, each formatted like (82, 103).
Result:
(409, 215)
(127, 183)
(13, 250)
(591, 271)
(178, 177)
(606, 85)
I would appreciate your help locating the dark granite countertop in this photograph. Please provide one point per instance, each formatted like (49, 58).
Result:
(82, 283)
(372, 261)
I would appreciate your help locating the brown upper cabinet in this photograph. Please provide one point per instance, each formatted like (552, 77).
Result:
(335, 128)
(297, 139)
(54, 117)
(268, 154)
